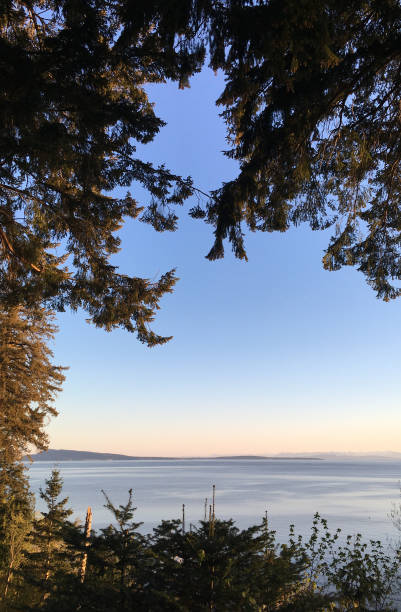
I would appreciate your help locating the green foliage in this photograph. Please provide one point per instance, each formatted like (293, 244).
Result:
(311, 103)
(215, 566)
(117, 557)
(16, 516)
(203, 569)
(73, 107)
(117, 560)
(29, 381)
(49, 555)
(364, 575)
(352, 572)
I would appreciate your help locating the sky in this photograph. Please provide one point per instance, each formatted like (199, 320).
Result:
(268, 356)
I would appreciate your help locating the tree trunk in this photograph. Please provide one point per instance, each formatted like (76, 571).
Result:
(88, 527)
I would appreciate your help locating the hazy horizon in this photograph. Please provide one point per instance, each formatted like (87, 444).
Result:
(377, 453)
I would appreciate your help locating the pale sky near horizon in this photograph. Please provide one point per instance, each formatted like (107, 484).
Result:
(274, 355)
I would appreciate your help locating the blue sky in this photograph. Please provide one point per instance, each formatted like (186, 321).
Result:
(273, 355)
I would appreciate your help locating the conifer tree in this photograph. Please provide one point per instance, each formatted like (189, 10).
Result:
(117, 568)
(117, 558)
(29, 381)
(73, 110)
(50, 556)
(28, 384)
(311, 106)
(311, 103)
(16, 516)
(217, 566)
(213, 566)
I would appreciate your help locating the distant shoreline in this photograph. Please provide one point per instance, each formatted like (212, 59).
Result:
(56, 455)
(70, 455)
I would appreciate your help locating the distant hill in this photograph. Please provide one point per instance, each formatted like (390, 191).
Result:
(73, 455)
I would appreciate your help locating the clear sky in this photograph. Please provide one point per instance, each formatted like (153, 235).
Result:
(274, 355)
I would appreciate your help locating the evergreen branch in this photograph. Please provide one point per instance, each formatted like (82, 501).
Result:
(10, 249)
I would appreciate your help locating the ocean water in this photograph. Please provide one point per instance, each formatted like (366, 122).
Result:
(354, 495)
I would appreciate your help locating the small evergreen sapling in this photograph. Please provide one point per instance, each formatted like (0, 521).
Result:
(117, 557)
(50, 556)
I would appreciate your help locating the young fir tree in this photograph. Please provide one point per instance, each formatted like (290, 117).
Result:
(116, 568)
(123, 555)
(50, 557)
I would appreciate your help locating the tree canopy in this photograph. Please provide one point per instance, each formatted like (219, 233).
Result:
(311, 104)
(72, 108)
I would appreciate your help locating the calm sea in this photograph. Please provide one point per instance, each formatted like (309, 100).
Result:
(356, 496)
